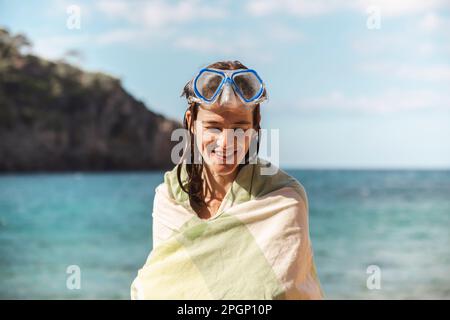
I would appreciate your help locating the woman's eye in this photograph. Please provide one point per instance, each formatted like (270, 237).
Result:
(217, 129)
(212, 129)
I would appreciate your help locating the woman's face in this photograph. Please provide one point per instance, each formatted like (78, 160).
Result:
(223, 134)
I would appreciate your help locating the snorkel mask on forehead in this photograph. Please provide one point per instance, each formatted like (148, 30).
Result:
(210, 83)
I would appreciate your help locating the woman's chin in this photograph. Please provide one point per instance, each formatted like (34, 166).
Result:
(222, 167)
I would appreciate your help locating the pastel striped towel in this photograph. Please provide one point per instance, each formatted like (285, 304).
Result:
(257, 245)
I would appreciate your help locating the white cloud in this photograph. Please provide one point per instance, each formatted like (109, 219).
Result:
(54, 47)
(206, 44)
(389, 8)
(290, 7)
(430, 22)
(392, 8)
(406, 43)
(121, 36)
(426, 48)
(382, 42)
(241, 43)
(437, 72)
(114, 8)
(238, 47)
(56, 8)
(158, 13)
(386, 102)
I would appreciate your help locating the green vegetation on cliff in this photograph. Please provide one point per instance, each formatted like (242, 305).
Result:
(55, 116)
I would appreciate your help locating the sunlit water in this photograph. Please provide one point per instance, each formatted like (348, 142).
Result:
(396, 220)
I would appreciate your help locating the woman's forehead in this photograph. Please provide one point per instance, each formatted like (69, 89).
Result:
(225, 114)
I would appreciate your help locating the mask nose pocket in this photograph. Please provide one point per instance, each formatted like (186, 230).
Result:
(227, 96)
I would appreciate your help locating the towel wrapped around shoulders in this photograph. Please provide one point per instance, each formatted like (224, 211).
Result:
(257, 245)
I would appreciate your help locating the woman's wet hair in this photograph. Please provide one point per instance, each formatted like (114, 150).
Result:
(193, 186)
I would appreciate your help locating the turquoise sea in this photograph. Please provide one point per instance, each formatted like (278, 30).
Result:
(101, 222)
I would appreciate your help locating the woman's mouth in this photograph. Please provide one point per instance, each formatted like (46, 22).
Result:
(224, 157)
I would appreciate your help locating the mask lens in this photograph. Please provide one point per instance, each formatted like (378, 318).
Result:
(208, 83)
(248, 84)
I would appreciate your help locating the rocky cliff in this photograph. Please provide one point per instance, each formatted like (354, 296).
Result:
(57, 117)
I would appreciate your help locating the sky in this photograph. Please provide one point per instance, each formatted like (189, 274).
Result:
(351, 84)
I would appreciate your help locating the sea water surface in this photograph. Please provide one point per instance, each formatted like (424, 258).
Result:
(397, 221)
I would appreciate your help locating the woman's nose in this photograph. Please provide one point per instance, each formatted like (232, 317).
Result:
(226, 139)
(227, 96)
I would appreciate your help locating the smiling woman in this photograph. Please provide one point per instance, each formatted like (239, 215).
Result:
(222, 229)
(221, 150)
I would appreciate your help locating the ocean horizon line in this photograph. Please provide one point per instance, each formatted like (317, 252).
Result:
(285, 168)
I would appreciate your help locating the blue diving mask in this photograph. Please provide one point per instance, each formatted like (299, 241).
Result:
(210, 83)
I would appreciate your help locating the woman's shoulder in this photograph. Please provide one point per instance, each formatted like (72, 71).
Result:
(171, 186)
(255, 180)
(268, 178)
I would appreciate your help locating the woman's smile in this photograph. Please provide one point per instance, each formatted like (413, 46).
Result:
(225, 158)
